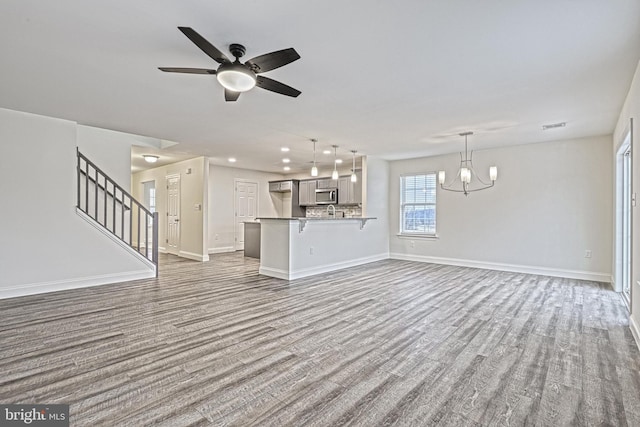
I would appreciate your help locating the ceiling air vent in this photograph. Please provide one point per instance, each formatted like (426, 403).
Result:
(554, 125)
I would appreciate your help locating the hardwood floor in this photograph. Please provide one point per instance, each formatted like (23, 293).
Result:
(388, 343)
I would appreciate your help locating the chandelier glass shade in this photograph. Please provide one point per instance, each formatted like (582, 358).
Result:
(467, 180)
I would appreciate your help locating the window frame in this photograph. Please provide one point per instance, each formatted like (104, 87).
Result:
(402, 205)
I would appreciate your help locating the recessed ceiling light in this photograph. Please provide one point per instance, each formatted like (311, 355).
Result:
(231, 159)
(326, 152)
(285, 160)
(287, 168)
(554, 125)
(150, 158)
(338, 161)
(284, 149)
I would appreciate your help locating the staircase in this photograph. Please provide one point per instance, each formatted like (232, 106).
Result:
(116, 211)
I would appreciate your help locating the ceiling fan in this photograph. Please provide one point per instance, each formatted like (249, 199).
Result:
(235, 76)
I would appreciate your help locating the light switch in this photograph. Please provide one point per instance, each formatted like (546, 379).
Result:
(198, 206)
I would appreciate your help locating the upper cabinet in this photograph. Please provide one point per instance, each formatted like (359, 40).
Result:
(307, 195)
(350, 193)
(280, 186)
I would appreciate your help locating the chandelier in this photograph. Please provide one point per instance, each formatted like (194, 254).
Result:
(462, 183)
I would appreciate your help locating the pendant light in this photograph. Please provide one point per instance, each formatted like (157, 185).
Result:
(334, 174)
(354, 177)
(314, 169)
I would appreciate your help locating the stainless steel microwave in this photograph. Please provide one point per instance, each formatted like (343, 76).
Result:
(326, 196)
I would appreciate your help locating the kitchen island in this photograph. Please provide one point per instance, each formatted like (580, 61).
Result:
(292, 248)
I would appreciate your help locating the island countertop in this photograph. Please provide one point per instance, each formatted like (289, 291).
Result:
(291, 248)
(320, 218)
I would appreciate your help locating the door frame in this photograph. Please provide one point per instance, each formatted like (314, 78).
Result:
(626, 144)
(235, 205)
(169, 250)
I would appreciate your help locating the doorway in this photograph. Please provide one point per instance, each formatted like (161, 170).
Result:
(624, 202)
(173, 214)
(246, 208)
(149, 194)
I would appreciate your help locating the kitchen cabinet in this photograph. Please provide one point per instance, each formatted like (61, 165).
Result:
(280, 186)
(350, 193)
(287, 192)
(326, 183)
(307, 194)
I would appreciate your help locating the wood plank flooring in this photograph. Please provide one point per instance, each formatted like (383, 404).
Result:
(388, 343)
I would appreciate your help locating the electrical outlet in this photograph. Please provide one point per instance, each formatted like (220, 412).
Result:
(412, 244)
(587, 253)
(217, 237)
(311, 250)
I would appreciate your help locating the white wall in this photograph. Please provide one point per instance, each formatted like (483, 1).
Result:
(551, 202)
(375, 202)
(46, 245)
(109, 150)
(221, 237)
(193, 193)
(631, 109)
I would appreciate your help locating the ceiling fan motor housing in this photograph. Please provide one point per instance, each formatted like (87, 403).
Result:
(237, 50)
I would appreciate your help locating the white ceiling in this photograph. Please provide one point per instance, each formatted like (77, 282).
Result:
(393, 79)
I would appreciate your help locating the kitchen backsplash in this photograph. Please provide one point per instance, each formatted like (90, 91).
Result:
(349, 211)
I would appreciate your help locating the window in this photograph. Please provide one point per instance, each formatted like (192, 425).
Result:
(418, 204)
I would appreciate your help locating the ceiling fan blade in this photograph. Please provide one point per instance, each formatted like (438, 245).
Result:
(187, 70)
(273, 60)
(204, 45)
(277, 87)
(230, 95)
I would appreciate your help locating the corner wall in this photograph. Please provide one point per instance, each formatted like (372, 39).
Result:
(221, 237)
(193, 204)
(552, 202)
(46, 245)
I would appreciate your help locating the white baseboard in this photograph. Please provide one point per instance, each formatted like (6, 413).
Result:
(298, 274)
(274, 272)
(527, 269)
(221, 250)
(75, 283)
(195, 257)
(634, 331)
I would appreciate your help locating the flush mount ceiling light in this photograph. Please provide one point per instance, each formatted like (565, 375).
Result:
(314, 169)
(286, 168)
(334, 174)
(286, 160)
(150, 158)
(231, 159)
(235, 76)
(285, 149)
(326, 152)
(462, 182)
(354, 177)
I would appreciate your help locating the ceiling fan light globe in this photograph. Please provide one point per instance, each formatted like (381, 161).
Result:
(236, 77)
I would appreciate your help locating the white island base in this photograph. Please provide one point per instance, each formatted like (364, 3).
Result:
(291, 248)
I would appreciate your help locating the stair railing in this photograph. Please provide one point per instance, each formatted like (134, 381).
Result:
(115, 210)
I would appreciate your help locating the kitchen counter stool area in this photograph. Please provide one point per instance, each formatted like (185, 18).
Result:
(292, 248)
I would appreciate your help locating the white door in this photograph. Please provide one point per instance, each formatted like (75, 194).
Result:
(246, 208)
(173, 214)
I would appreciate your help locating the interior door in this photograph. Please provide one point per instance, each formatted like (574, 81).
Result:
(246, 209)
(173, 214)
